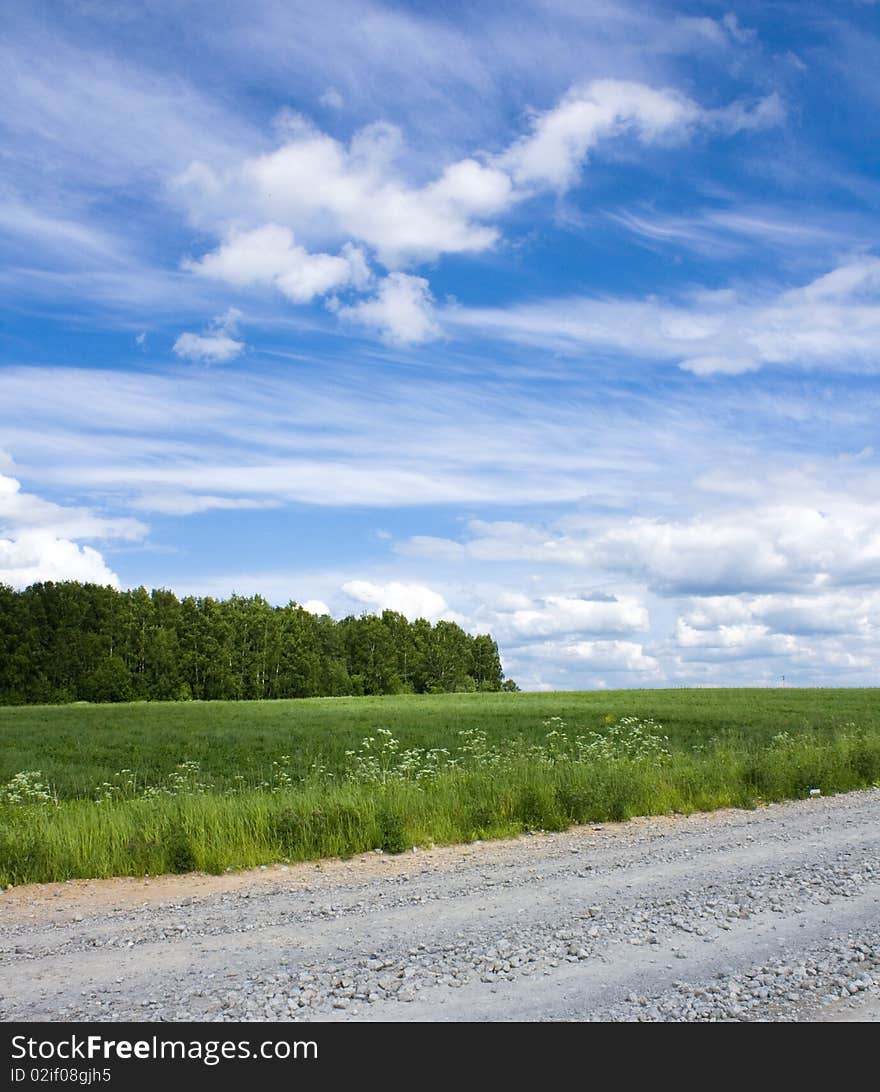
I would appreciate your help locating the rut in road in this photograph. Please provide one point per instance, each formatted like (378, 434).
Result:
(771, 914)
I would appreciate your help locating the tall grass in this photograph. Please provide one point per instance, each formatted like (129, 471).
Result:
(322, 817)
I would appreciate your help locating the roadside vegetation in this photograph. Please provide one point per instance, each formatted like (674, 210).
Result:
(91, 791)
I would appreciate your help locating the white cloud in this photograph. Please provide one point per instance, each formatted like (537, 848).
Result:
(755, 549)
(833, 321)
(823, 613)
(724, 555)
(785, 546)
(316, 479)
(737, 32)
(553, 153)
(738, 117)
(317, 189)
(323, 189)
(210, 348)
(218, 346)
(36, 556)
(733, 232)
(744, 640)
(627, 656)
(37, 539)
(411, 600)
(102, 117)
(25, 512)
(181, 503)
(328, 435)
(719, 365)
(316, 606)
(332, 99)
(66, 239)
(833, 658)
(555, 614)
(500, 540)
(402, 310)
(269, 255)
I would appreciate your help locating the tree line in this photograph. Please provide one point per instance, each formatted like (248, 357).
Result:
(68, 641)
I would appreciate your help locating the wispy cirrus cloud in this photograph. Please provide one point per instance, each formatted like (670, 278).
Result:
(21, 511)
(832, 322)
(799, 236)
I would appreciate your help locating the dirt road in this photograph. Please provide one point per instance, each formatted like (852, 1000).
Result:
(765, 915)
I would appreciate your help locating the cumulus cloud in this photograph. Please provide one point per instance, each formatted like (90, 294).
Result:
(322, 188)
(784, 546)
(37, 539)
(358, 191)
(411, 600)
(269, 255)
(746, 595)
(735, 641)
(744, 622)
(217, 346)
(402, 310)
(723, 555)
(555, 614)
(316, 606)
(316, 188)
(552, 154)
(36, 556)
(208, 348)
(628, 656)
(789, 639)
(756, 549)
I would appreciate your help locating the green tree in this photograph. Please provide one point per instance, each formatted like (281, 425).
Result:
(110, 681)
(448, 658)
(487, 670)
(67, 641)
(372, 656)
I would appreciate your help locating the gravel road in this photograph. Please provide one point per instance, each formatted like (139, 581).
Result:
(766, 915)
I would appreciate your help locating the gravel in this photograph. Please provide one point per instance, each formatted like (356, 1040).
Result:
(766, 915)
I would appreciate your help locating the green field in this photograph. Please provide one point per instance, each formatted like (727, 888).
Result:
(150, 787)
(79, 746)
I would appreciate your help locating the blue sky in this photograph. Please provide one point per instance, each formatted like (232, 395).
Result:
(558, 320)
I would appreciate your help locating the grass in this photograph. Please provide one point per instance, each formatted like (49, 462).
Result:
(724, 748)
(77, 747)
